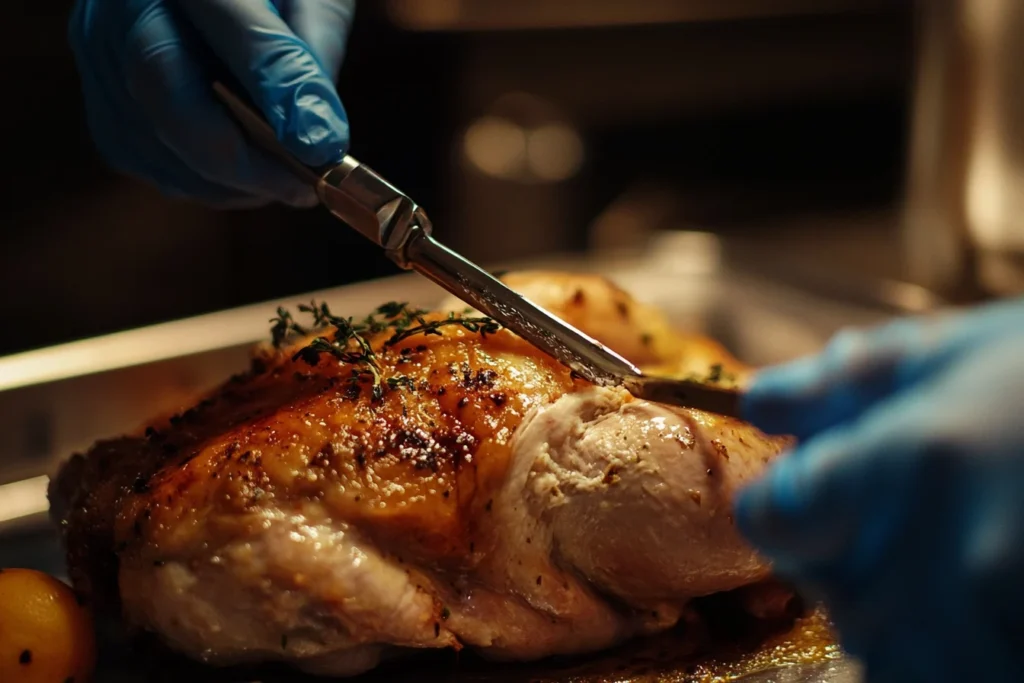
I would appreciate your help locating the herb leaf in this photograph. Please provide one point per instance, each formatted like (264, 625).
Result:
(348, 343)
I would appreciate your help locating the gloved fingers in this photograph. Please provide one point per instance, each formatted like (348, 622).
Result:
(836, 502)
(324, 26)
(859, 368)
(792, 513)
(856, 369)
(173, 92)
(279, 72)
(119, 129)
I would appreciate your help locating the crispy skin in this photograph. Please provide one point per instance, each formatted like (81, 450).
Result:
(497, 503)
(413, 470)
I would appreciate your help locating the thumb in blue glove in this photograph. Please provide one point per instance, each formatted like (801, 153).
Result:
(147, 66)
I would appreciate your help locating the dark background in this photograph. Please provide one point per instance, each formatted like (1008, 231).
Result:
(743, 120)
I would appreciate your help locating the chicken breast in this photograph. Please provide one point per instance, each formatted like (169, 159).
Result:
(427, 482)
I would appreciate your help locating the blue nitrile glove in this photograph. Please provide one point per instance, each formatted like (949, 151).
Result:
(146, 74)
(903, 504)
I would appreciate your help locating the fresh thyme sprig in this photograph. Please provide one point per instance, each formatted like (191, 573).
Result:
(480, 325)
(349, 345)
(284, 327)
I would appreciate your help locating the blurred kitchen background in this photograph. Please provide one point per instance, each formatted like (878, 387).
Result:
(523, 128)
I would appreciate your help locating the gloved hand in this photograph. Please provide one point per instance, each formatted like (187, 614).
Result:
(903, 504)
(147, 66)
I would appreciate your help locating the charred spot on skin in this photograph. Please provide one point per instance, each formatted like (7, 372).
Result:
(499, 399)
(646, 339)
(441, 391)
(484, 379)
(25, 657)
(428, 450)
(463, 402)
(437, 629)
(538, 580)
(720, 448)
(578, 297)
(490, 504)
(623, 308)
(611, 475)
(445, 613)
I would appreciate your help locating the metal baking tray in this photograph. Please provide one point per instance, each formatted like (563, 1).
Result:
(57, 400)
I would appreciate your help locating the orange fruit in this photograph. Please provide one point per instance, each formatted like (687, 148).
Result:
(46, 635)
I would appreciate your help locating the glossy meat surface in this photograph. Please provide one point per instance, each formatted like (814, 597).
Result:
(486, 499)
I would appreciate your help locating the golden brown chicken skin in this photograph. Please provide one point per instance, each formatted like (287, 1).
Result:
(414, 466)
(473, 493)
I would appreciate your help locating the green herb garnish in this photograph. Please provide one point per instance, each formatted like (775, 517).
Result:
(716, 375)
(348, 343)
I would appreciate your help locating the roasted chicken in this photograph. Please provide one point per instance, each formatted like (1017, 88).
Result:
(428, 482)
